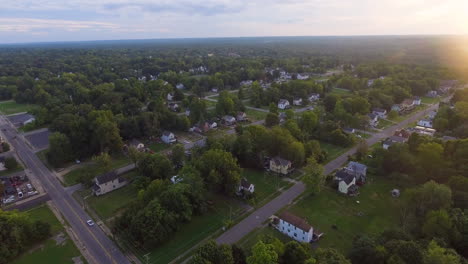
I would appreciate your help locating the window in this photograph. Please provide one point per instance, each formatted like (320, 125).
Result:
(283, 228)
(289, 230)
(295, 235)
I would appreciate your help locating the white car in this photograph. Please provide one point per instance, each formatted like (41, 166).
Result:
(90, 222)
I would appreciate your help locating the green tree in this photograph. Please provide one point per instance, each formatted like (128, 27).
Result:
(103, 160)
(294, 252)
(429, 197)
(11, 163)
(438, 255)
(155, 166)
(314, 177)
(263, 254)
(60, 150)
(271, 120)
(178, 155)
(330, 256)
(437, 224)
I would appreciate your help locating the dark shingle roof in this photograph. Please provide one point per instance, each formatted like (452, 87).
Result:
(107, 177)
(280, 161)
(245, 183)
(295, 221)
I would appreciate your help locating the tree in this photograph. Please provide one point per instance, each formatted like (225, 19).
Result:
(60, 150)
(103, 160)
(178, 155)
(437, 225)
(11, 163)
(155, 166)
(438, 255)
(238, 255)
(214, 254)
(263, 254)
(362, 150)
(428, 197)
(6, 146)
(271, 120)
(294, 252)
(431, 160)
(134, 154)
(105, 132)
(330, 256)
(314, 176)
(308, 122)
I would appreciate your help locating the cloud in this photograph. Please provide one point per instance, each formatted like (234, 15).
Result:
(31, 24)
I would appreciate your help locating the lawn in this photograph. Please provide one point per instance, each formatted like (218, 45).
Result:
(340, 91)
(11, 107)
(376, 211)
(158, 146)
(247, 242)
(429, 100)
(266, 185)
(199, 228)
(109, 205)
(384, 123)
(49, 251)
(209, 103)
(73, 176)
(7, 172)
(255, 115)
(333, 151)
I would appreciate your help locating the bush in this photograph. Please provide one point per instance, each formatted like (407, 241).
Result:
(5, 147)
(11, 163)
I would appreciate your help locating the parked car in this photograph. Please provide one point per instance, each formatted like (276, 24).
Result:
(90, 222)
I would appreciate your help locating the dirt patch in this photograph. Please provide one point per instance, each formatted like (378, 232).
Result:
(77, 260)
(60, 239)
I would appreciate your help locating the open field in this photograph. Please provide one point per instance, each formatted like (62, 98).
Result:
(266, 184)
(255, 115)
(49, 251)
(340, 91)
(73, 176)
(199, 228)
(11, 107)
(333, 150)
(429, 100)
(376, 209)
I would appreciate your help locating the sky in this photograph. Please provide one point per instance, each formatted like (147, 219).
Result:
(77, 20)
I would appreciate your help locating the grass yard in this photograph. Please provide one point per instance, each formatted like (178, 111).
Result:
(7, 172)
(199, 228)
(210, 103)
(340, 91)
(11, 107)
(73, 176)
(158, 146)
(333, 151)
(49, 251)
(266, 185)
(110, 204)
(255, 115)
(429, 100)
(247, 242)
(383, 123)
(378, 209)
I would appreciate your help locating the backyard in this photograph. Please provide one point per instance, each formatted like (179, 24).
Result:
(73, 176)
(50, 251)
(11, 107)
(255, 115)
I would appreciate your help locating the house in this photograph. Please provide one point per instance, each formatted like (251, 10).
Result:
(19, 120)
(138, 145)
(402, 133)
(396, 108)
(107, 182)
(347, 183)
(246, 83)
(393, 140)
(370, 82)
(229, 120)
(180, 86)
(432, 94)
(212, 124)
(168, 137)
(280, 165)
(214, 90)
(245, 187)
(282, 117)
(417, 100)
(314, 97)
(381, 113)
(349, 130)
(302, 76)
(241, 116)
(358, 170)
(432, 115)
(373, 120)
(170, 96)
(283, 104)
(297, 101)
(424, 131)
(446, 85)
(407, 105)
(176, 179)
(174, 107)
(425, 123)
(296, 228)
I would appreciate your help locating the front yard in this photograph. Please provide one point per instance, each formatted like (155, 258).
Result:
(383, 123)
(11, 107)
(58, 249)
(333, 151)
(266, 184)
(255, 115)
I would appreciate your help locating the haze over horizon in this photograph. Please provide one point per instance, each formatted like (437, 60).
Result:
(23, 21)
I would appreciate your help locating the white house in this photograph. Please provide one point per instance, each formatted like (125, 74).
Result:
(245, 186)
(180, 86)
(107, 182)
(302, 77)
(382, 113)
(241, 116)
(393, 140)
(347, 184)
(425, 123)
(138, 145)
(432, 94)
(176, 179)
(229, 120)
(314, 97)
(168, 137)
(170, 96)
(417, 100)
(214, 90)
(296, 228)
(283, 104)
(297, 101)
(373, 120)
(424, 131)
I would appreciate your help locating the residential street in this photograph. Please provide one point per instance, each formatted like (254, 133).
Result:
(259, 216)
(98, 247)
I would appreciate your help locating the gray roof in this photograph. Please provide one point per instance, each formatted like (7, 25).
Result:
(280, 161)
(20, 118)
(397, 139)
(167, 133)
(379, 110)
(348, 178)
(356, 166)
(108, 176)
(283, 101)
(372, 116)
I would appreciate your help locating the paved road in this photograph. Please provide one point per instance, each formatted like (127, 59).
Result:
(259, 216)
(97, 245)
(30, 204)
